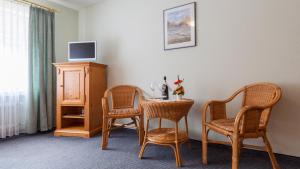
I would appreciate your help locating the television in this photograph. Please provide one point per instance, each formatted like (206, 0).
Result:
(82, 51)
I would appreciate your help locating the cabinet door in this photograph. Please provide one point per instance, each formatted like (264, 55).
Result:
(71, 86)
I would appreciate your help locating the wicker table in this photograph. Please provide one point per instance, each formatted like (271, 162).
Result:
(174, 111)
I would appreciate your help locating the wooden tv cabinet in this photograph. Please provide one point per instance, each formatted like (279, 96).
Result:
(80, 87)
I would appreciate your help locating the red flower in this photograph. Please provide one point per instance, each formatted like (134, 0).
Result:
(178, 82)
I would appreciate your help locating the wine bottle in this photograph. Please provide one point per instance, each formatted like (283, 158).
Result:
(165, 89)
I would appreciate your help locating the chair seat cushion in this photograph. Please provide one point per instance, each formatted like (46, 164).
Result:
(166, 135)
(228, 124)
(123, 113)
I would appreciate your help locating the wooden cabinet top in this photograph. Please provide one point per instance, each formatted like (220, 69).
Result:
(78, 64)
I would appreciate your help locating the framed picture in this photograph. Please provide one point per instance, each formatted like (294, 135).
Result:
(180, 26)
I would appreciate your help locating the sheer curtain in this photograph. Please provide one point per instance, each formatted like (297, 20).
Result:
(14, 19)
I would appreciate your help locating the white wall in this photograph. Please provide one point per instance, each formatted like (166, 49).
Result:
(66, 29)
(239, 42)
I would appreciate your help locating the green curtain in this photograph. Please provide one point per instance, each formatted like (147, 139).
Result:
(40, 116)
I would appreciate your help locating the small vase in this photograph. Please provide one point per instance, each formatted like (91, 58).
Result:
(178, 97)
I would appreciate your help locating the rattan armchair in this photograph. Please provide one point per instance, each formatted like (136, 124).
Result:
(172, 137)
(122, 102)
(250, 122)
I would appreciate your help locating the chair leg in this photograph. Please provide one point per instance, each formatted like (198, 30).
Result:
(204, 145)
(105, 133)
(110, 126)
(141, 130)
(178, 155)
(135, 124)
(143, 149)
(270, 152)
(134, 121)
(235, 153)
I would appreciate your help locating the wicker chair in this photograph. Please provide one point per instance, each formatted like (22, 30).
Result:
(173, 111)
(250, 122)
(122, 102)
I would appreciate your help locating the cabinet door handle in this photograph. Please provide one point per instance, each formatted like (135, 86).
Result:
(61, 85)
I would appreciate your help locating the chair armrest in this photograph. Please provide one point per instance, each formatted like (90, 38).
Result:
(231, 97)
(140, 107)
(141, 100)
(238, 119)
(105, 106)
(204, 111)
(216, 106)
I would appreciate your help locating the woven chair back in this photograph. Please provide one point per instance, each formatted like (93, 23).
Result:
(261, 94)
(123, 96)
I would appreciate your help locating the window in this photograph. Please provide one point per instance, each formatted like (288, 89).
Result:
(14, 20)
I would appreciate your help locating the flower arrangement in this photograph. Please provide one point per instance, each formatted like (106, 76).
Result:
(179, 91)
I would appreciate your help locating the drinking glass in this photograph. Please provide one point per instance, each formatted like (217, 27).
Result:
(152, 87)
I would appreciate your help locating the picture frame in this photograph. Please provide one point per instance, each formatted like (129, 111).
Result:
(180, 26)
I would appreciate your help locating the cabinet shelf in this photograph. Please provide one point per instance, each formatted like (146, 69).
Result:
(73, 116)
(77, 128)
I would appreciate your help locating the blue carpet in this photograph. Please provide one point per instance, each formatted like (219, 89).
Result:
(44, 151)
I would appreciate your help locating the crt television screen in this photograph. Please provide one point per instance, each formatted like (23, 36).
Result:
(84, 50)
